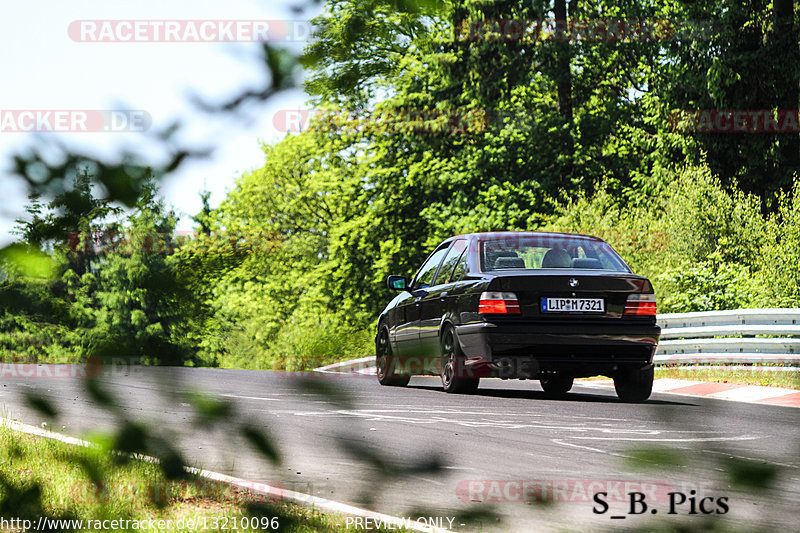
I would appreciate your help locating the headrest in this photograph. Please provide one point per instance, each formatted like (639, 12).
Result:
(587, 263)
(509, 262)
(556, 258)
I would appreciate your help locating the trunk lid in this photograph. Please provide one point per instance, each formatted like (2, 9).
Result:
(531, 288)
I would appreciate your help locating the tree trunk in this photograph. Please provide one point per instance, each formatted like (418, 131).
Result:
(563, 56)
(788, 84)
(563, 79)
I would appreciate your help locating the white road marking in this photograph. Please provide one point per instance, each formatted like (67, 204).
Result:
(454, 411)
(428, 480)
(557, 441)
(377, 415)
(251, 397)
(787, 465)
(691, 439)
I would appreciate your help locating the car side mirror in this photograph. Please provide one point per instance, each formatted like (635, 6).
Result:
(397, 283)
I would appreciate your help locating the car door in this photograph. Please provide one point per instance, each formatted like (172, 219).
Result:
(433, 304)
(407, 330)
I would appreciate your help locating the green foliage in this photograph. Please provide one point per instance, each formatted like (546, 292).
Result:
(24, 340)
(139, 303)
(288, 273)
(360, 44)
(309, 341)
(272, 272)
(780, 256)
(35, 324)
(704, 247)
(660, 458)
(40, 477)
(20, 259)
(751, 474)
(124, 299)
(746, 60)
(426, 133)
(707, 286)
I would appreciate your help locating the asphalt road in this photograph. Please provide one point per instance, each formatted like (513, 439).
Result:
(369, 445)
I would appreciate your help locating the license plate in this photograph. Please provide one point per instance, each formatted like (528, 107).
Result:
(573, 305)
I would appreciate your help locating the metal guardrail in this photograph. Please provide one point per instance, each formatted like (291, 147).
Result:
(738, 336)
(707, 337)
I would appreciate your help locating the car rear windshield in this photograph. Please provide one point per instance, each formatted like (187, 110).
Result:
(529, 253)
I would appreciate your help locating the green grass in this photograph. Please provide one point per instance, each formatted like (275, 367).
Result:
(44, 477)
(766, 378)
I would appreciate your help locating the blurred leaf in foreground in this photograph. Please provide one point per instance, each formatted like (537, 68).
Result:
(261, 442)
(750, 474)
(655, 458)
(41, 405)
(27, 261)
(325, 390)
(208, 408)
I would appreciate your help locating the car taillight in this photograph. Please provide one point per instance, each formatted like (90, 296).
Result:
(499, 303)
(640, 305)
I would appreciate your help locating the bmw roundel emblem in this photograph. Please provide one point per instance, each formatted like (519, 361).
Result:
(573, 282)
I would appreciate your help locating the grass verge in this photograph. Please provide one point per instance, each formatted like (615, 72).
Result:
(766, 378)
(41, 477)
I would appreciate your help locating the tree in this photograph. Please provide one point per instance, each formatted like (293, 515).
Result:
(142, 309)
(748, 60)
(784, 43)
(70, 222)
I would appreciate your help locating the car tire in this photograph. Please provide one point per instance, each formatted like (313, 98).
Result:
(385, 363)
(453, 368)
(634, 385)
(556, 384)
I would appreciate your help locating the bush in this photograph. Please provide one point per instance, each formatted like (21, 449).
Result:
(36, 323)
(707, 286)
(310, 341)
(700, 244)
(779, 260)
(311, 337)
(25, 340)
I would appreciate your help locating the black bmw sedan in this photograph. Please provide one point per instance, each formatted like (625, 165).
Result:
(521, 305)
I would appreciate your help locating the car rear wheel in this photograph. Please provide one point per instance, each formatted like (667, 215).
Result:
(453, 368)
(385, 364)
(634, 385)
(556, 383)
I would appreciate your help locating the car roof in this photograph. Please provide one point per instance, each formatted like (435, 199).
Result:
(487, 235)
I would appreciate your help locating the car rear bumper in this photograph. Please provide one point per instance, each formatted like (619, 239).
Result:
(579, 348)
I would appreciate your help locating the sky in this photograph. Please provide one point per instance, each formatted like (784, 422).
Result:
(46, 66)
